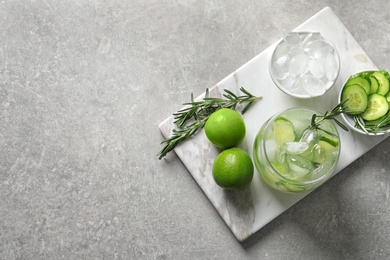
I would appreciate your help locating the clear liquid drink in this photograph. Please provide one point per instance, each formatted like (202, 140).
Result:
(292, 157)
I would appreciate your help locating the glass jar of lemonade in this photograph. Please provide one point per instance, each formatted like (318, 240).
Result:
(292, 156)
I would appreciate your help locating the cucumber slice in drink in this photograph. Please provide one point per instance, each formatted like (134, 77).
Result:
(283, 131)
(361, 81)
(327, 144)
(377, 107)
(383, 82)
(357, 99)
(330, 140)
(329, 147)
(290, 187)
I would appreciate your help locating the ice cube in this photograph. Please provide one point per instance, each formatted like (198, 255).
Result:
(316, 68)
(281, 154)
(321, 170)
(310, 136)
(299, 166)
(311, 37)
(318, 49)
(317, 172)
(319, 154)
(299, 64)
(312, 85)
(292, 38)
(289, 83)
(295, 51)
(280, 67)
(331, 66)
(271, 148)
(281, 49)
(295, 148)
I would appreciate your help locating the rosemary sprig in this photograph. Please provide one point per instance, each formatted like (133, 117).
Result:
(180, 135)
(199, 109)
(199, 112)
(337, 110)
(373, 127)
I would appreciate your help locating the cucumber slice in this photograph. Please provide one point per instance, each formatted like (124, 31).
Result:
(388, 97)
(376, 122)
(283, 131)
(330, 140)
(290, 187)
(374, 84)
(361, 81)
(383, 82)
(377, 107)
(328, 148)
(357, 99)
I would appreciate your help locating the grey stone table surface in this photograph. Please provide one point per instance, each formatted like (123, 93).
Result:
(83, 87)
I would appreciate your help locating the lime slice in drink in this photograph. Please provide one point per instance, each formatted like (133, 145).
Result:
(283, 131)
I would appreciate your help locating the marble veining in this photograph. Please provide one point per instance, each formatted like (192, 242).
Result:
(247, 212)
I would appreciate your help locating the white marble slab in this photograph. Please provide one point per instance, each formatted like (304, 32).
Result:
(248, 211)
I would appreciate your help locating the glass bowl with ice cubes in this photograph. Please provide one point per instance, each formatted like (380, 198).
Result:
(291, 156)
(304, 64)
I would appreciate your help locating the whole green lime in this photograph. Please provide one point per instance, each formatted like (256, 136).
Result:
(225, 128)
(233, 169)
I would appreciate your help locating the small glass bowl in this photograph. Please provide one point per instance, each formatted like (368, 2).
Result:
(304, 65)
(349, 119)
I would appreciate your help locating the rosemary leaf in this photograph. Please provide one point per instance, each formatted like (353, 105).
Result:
(341, 125)
(337, 110)
(374, 126)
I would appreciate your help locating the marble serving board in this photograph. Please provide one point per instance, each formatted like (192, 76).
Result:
(246, 212)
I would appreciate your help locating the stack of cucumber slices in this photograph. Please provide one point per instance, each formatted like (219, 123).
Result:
(367, 100)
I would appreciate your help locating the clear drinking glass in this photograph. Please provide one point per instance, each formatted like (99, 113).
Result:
(292, 157)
